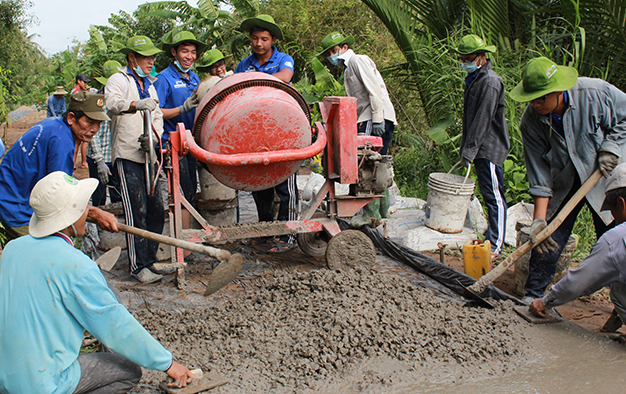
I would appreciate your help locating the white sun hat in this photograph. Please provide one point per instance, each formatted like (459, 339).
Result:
(58, 201)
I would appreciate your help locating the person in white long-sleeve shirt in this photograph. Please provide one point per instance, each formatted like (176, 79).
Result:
(605, 265)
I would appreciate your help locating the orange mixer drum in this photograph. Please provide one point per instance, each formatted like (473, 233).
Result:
(252, 113)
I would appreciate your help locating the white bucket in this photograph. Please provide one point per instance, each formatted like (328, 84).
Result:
(449, 196)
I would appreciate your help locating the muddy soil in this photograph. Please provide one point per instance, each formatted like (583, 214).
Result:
(305, 329)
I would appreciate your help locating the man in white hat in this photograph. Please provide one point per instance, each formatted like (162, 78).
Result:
(605, 266)
(50, 293)
(56, 103)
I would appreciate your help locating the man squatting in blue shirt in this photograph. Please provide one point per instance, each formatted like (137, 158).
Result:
(51, 292)
(266, 58)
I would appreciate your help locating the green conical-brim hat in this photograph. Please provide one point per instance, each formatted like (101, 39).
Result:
(471, 44)
(208, 59)
(179, 38)
(542, 76)
(109, 68)
(262, 21)
(335, 38)
(141, 45)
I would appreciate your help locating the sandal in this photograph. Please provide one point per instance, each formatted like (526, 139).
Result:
(282, 246)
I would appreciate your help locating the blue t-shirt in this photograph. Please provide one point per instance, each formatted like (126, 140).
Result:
(173, 89)
(277, 62)
(50, 293)
(47, 147)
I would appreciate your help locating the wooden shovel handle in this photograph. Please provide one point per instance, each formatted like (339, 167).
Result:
(222, 255)
(488, 279)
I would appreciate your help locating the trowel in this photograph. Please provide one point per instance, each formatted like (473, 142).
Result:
(200, 382)
(108, 260)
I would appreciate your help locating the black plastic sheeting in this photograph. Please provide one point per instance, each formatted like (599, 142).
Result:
(447, 276)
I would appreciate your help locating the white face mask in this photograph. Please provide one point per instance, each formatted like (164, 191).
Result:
(185, 70)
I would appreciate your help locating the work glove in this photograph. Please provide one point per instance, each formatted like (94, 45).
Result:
(378, 129)
(144, 143)
(607, 161)
(465, 162)
(103, 172)
(147, 103)
(190, 104)
(548, 245)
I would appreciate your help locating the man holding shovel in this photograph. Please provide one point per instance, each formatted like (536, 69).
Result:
(605, 266)
(128, 94)
(572, 126)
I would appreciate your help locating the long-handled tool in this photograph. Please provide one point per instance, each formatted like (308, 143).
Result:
(474, 291)
(150, 173)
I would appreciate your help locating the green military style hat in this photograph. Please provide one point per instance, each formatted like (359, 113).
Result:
(471, 44)
(141, 45)
(208, 59)
(109, 68)
(335, 38)
(179, 38)
(263, 21)
(542, 76)
(91, 104)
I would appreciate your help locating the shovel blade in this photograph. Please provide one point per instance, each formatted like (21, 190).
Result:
(108, 260)
(224, 274)
(473, 296)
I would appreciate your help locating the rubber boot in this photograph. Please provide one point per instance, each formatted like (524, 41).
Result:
(370, 211)
(384, 205)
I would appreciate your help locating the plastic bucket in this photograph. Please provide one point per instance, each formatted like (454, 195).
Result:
(448, 200)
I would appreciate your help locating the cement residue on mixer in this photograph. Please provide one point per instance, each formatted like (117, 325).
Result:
(340, 331)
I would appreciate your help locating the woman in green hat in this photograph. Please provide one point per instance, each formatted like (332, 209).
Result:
(571, 126)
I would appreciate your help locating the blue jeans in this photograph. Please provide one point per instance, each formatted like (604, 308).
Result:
(491, 183)
(542, 267)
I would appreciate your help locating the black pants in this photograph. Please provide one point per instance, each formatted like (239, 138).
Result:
(491, 182)
(141, 211)
(99, 196)
(106, 373)
(542, 267)
(188, 178)
(365, 128)
(288, 209)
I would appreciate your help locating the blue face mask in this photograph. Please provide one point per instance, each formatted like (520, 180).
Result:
(185, 70)
(139, 71)
(469, 67)
(334, 59)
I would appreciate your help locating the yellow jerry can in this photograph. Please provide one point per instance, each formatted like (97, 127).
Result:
(477, 258)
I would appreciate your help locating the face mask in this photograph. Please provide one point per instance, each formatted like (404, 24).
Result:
(139, 71)
(469, 67)
(334, 59)
(185, 70)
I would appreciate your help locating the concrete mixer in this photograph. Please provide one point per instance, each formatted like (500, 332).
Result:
(253, 132)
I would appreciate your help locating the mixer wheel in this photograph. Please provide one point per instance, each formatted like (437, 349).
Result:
(313, 244)
(350, 249)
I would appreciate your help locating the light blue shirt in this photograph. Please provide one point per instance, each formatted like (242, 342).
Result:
(50, 293)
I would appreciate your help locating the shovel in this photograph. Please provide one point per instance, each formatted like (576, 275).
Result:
(108, 260)
(473, 292)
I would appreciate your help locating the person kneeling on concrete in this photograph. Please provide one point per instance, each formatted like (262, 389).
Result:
(50, 293)
(605, 265)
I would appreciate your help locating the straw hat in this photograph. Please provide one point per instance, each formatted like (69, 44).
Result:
(58, 201)
(542, 76)
(59, 91)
